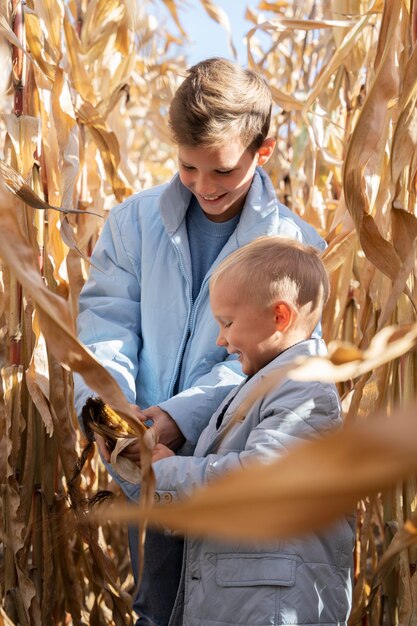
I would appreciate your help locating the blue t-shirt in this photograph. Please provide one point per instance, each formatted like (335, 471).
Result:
(206, 239)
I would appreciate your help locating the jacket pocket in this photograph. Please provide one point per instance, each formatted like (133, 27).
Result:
(255, 570)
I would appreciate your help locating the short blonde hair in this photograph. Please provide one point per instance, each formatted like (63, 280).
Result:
(219, 100)
(270, 269)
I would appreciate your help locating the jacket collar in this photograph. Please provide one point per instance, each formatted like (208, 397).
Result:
(309, 347)
(314, 346)
(260, 206)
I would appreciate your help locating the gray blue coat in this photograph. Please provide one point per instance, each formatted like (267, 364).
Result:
(302, 581)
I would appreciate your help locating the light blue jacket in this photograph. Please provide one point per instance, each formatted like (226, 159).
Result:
(300, 581)
(136, 309)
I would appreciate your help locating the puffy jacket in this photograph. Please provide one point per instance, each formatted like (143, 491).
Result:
(301, 581)
(136, 309)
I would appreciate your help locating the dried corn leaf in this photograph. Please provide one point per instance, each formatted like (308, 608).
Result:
(123, 466)
(405, 136)
(287, 24)
(172, 8)
(23, 132)
(370, 127)
(108, 145)
(220, 16)
(403, 539)
(81, 79)
(336, 68)
(336, 253)
(340, 54)
(17, 184)
(8, 33)
(54, 318)
(37, 380)
(36, 45)
(307, 489)
(51, 14)
(275, 7)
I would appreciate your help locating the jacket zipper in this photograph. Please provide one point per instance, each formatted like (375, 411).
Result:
(187, 331)
(191, 319)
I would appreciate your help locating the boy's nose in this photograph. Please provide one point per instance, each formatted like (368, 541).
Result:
(205, 187)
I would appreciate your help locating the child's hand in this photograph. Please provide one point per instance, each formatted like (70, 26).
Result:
(161, 452)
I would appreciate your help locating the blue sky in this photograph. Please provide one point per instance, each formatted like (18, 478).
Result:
(207, 37)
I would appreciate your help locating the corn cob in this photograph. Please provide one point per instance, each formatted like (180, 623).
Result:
(100, 418)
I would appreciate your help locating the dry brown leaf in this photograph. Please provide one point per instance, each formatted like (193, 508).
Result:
(126, 468)
(37, 381)
(339, 56)
(37, 45)
(286, 101)
(8, 33)
(276, 7)
(14, 504)
(338, 69)
(68, 237)
(284, 23)
(24, 135)
(405, 137)
(17, 184)
(404, 231)
(51, 14)
(313, 485)
(335, 254)
(54, 317)
(81, 79)
(370, 127)
(403, 539)
(172, 8)
(377, 249)
(220, 16)
(108, 145)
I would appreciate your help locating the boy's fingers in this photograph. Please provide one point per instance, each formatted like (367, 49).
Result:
(138, 413)
(168, 431)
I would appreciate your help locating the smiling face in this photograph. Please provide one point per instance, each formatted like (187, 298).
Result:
(252, 332)
(220, 177)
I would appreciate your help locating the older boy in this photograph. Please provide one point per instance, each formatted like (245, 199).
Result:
(267, 297)
(144, 310)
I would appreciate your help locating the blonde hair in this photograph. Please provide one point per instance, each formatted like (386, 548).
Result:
(275, 268)
(220, 100)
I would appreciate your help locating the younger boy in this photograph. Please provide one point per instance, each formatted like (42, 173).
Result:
(267, 298)
(144, 311)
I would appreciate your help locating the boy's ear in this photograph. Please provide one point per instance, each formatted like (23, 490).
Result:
(266, 149)
(284, 316)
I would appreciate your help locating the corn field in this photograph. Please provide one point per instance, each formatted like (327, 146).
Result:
(85, 89)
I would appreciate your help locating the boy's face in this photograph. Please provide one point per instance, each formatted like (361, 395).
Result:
(245, 328)
(220, 177)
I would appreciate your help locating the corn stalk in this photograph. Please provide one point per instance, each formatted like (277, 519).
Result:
(84, 124)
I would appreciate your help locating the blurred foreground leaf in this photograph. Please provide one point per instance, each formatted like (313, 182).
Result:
(310, 487)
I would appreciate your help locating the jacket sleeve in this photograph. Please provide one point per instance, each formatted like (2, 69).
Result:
(282, 425)
(200, 401)
(109, 318)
